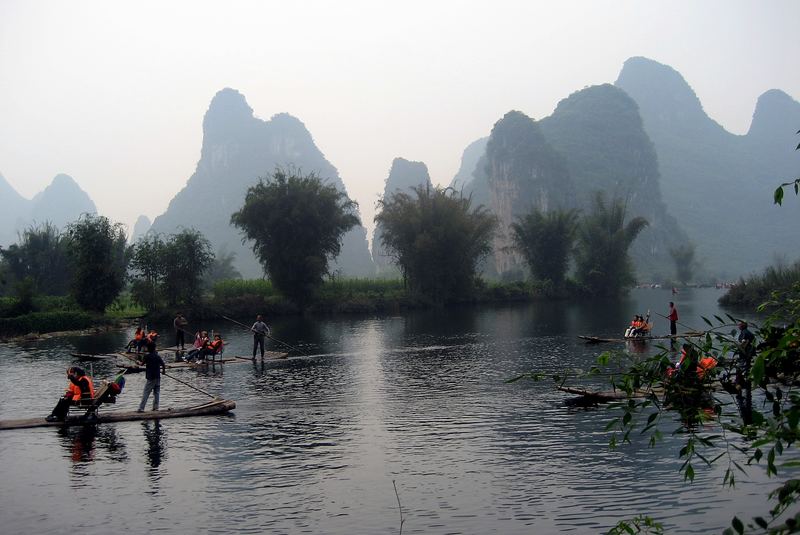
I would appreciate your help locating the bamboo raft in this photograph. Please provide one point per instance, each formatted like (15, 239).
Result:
(605, 396)
(136, 367)
(217, 406)
(599, 340)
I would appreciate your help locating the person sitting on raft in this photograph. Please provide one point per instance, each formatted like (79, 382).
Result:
(703, 365)
(200, 342)
(137, 342)
(637, 328)
(211, 348)
(80, 388)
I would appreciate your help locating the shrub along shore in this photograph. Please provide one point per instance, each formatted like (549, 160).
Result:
(246, 298)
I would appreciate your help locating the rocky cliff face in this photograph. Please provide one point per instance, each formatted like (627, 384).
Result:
(60, 203)
(719, 185)
(519, 171)
(238, 148)
(140, 228)
(403, 176)
(599, 132)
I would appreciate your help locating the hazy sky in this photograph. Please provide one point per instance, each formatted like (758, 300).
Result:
(113, 92)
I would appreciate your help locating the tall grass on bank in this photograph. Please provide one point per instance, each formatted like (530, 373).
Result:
(757, 289)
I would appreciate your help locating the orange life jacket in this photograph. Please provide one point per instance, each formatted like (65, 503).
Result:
(216, 345)
(75, 390)
(139, 335)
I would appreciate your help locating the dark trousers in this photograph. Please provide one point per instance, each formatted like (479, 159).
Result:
(673, 328)
(179, 339)
(62, 408)
(258, 341)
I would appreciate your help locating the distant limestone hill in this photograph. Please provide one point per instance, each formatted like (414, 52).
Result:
(594, 141)
(403, 176)
(60, 203)
(518, 172)
(599, 132)
(140, 228)
(717, 184)
(238, 148)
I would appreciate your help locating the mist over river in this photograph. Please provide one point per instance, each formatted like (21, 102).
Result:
(316, 442)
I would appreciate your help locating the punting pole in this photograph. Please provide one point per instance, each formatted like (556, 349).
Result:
(190, 386)
(268, 336)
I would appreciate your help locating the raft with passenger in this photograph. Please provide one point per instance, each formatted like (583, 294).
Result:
(216, 406)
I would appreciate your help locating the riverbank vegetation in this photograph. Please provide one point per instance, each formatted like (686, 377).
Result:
(295, 224)
(757, 289)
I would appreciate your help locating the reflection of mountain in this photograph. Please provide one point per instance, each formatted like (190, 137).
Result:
(238, 148)
(719, 185)
(403, 176)
(62, 202)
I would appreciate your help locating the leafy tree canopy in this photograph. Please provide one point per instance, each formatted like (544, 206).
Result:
(98, 254)
(602, 261)
(41, 256)
(296, 223)
(436, 238)
(545, 240)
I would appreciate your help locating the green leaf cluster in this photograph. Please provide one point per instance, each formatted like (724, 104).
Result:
(437, 239)
(98, 253)
(296, 223)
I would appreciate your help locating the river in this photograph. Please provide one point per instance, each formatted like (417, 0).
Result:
(317, 443)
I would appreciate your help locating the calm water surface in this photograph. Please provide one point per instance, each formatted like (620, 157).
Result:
(316, 442)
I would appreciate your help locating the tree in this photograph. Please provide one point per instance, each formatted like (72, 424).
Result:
(436, 238)
(546, 241)
(98, 254)
(187, 255)
(602, 262)
(147, 271)
(41, 257)
(296, 224)
(683, 256)
(169, 271)
(221, 268)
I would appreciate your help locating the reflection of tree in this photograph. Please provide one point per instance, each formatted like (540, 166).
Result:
(156, 442)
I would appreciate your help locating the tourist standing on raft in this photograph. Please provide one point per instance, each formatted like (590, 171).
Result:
(154, 367)
(673, 319)
(180, 325)
(260, 331)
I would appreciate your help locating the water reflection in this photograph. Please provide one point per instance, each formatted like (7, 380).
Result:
(315, 442)
(156, 442)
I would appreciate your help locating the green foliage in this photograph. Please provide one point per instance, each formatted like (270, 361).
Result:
(437, 239)
(41, 257)
(169, 271)
(545, 241)
(98, 255)
(147, 269)
(187, 255)
(640, 524)
(125, 307)
(737, 432)
(236, 288)
(296, 224)
(221, 269)
(602, 262)
(758, 288)
(683, 256)
(43, 322)
(777, 197)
